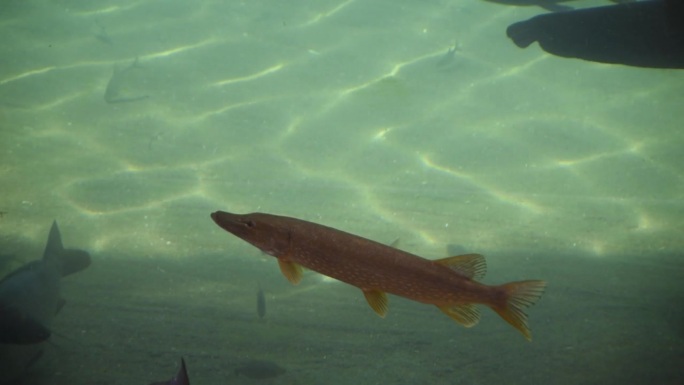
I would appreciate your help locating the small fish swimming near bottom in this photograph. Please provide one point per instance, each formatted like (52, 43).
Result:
(448, 59)
(113, 93)
(261, 303)
(449, 283)
(181, 378)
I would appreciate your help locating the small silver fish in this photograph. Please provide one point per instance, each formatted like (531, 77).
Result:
(113, 92)
(448, 59)
(261, 303)
(181, 378)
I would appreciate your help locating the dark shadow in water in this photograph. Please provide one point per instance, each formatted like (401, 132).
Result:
(549, 5)
(641, 34)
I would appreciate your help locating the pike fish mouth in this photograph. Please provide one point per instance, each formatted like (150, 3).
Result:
(230, 222)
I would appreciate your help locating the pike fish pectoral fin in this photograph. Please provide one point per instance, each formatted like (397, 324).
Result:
(291, 271)
(377, 301)
(466, 314)
(472, 266)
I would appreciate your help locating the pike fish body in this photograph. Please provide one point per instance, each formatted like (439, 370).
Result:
(376, 269)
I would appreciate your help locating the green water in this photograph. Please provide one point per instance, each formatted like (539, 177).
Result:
(342, 113)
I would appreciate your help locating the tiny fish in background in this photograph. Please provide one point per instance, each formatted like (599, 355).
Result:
(181, 378)
(261, 303)
(113, 92)
(448, 59)
(102, 34)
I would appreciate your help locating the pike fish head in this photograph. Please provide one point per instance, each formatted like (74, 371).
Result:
(269, 233)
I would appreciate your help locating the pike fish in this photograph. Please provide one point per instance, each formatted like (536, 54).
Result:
(375, 268)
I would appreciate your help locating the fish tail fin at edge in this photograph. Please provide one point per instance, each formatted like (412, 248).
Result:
(519, 296)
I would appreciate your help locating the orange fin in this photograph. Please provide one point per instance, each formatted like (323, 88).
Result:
(472, 266)
(291, 271)
(377, 300)
(520, 295)
(466, 314)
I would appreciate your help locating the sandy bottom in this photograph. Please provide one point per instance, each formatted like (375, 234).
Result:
(129, 321)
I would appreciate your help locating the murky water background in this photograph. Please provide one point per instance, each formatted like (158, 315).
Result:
(352, 114)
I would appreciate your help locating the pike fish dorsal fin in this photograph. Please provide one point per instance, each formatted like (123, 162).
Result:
(472, 266)
(466, 314)
(377, 301)
(291, 271)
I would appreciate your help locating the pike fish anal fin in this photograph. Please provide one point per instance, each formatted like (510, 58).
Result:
(466, 314)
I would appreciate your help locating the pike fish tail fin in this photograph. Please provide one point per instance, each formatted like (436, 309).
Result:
(519, 296)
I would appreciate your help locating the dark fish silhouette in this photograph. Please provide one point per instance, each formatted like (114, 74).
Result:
(261, 303)
(181, 378)
(29, 296)
(259, 370)
(102, 35)
(641, 34)
(377, 269)
(549, 5)
(448, 59)
(29, 300)
(113, 94)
